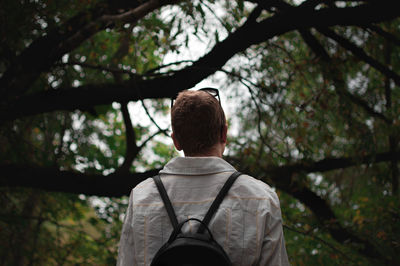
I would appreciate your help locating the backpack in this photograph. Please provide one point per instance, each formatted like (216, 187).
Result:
(198, 248)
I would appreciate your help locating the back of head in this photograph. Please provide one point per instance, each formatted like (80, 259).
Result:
(198, 121)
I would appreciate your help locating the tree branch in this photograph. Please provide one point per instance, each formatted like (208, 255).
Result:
(284, 177)
(329, 164)
(320, 51)
(393, 142)
(314, 45)
(132, 150)
(165, 87)
(139, 12)
(41, 55)
(54, 179)
(150, 138)
(254, 14)
(358, 52)
(116, 185)
(167, 65)
(388, 36)
(42, 52)
(363, 104)
(111, 69)
(164, 131)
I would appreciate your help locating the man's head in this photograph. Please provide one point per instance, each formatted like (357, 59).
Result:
(198, 124)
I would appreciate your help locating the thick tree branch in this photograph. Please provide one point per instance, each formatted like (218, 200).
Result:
(393, 140)
(53, 179)
(314, 45)
(116, 185)
(167, 86)
(252, 18)
(329, 164)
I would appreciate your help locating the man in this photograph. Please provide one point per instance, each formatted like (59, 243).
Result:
(248, 223)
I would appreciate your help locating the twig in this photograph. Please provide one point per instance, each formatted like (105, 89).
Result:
(132, 149)
(164, 131)
(215, 15)
(259, 115)
(133, 15)
(167, 65)
(149, 138)
(99, 67)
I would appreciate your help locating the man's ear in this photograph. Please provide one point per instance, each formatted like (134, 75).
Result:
(176, 143)
(224, 134)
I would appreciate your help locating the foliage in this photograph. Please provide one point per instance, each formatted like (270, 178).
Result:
(314, 112)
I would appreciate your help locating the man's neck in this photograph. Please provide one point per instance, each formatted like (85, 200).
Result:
(216, 151)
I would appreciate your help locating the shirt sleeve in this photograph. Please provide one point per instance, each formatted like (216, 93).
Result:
(126, 249)
(273, 250)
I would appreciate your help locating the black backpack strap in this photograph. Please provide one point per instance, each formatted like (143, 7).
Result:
(221, 195)
(167, 202)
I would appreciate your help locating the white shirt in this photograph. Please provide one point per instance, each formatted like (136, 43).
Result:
(248, 223)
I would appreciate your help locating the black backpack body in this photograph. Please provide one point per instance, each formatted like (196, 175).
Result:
(198, 248)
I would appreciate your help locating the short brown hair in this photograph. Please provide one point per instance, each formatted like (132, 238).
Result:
(198, 121)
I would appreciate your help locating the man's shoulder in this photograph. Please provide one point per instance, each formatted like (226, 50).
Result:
(254, 183)
(144, 190)
(144, 184)
(248, 186)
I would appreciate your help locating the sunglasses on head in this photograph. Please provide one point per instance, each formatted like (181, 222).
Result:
(212, 91)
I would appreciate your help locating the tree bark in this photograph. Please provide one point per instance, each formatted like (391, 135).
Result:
(116, 185)
(53, 179)
(166, 86)
(42, 53)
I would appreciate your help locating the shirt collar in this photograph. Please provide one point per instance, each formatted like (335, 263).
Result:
(196, 166)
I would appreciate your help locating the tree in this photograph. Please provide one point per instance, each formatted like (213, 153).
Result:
(317, 82)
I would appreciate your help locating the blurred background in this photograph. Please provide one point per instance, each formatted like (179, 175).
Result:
(310, 89)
